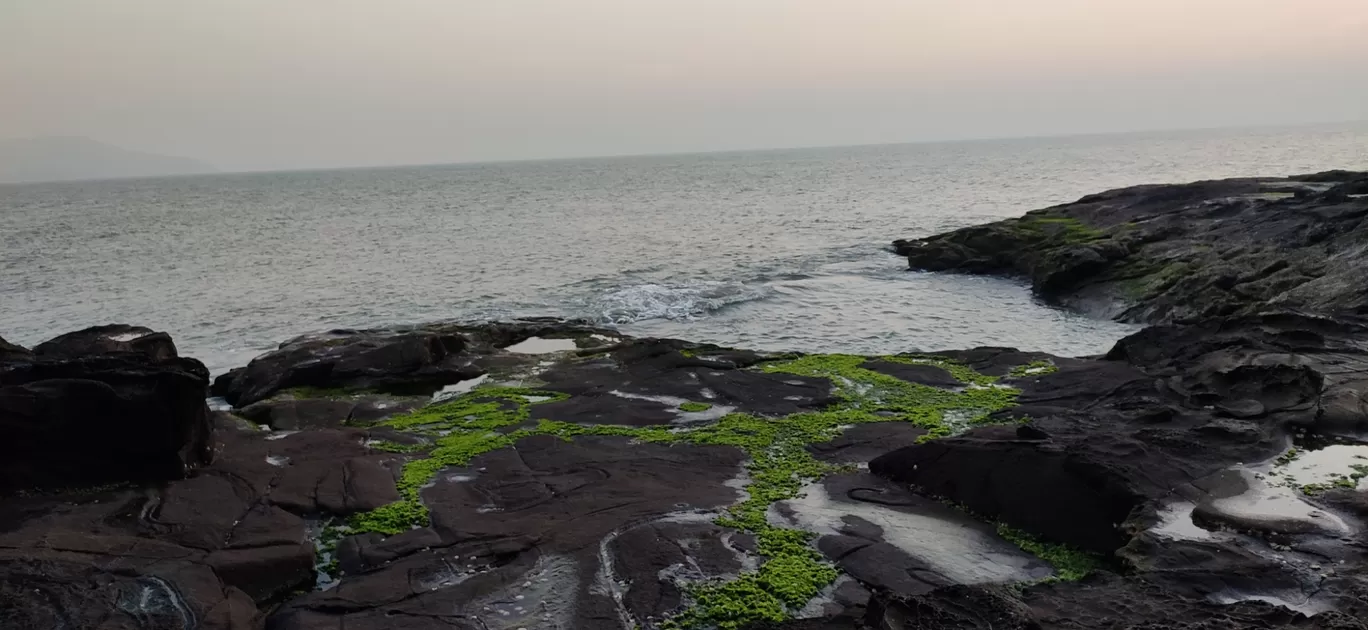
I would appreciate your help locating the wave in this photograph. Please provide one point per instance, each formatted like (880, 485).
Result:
(682, 301)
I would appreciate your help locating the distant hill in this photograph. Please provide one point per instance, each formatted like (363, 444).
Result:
(57, 158)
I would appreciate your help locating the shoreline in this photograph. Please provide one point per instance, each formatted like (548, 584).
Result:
(543, 473)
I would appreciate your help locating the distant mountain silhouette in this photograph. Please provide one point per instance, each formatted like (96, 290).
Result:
(55, 158)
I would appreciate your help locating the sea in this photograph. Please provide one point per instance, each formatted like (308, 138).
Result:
(774, 250)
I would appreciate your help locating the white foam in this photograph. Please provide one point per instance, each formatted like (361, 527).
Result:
(539, 345)
(128, 336)
(684, 301)
(956, 549)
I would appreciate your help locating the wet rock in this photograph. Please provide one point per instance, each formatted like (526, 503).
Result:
(862, 443)
(924, 374)
(286, 412)
(554, 522)
(1166, 253)
(643, 382)
(1140, 456)
(11, 352)
(1107, 602)
(1077, 498)
(403, 361)
(106, 404)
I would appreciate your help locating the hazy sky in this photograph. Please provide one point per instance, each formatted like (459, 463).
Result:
(262, 84)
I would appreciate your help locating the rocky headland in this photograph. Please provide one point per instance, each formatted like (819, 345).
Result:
(1206, 473)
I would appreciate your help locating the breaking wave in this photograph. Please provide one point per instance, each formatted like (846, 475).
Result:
(684, 301)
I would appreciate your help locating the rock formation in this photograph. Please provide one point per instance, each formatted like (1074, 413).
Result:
(103, 405)
(1207, 473)
(1165, 253)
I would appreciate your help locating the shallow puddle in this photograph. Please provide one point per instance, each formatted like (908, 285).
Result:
(1328, 466)
(1268, 507)
(961, 549)
(1175, 523)
(543, 598)
(456, 389)
(539, 345)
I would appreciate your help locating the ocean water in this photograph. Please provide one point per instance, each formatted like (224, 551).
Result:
(783, 249)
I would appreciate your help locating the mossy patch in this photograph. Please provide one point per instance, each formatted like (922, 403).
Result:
(460, 429)
(791, 571)
(1059, 230)
(1034, 368)
(395, 447)
(875, 397)
(1070, 564)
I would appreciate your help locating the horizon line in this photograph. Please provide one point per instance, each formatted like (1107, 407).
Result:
(615, 156)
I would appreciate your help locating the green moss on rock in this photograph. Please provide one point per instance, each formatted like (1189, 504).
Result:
(1034, 368)
(1070, 564)
(792, 572)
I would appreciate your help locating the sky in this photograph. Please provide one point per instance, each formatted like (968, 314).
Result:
(283, 84)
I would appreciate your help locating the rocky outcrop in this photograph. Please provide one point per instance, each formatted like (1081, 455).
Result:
(10, 352)
(592, 480)
(403, 361)
(1166, 253)
(102, 405)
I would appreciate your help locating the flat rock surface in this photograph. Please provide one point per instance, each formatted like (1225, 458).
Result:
(602, 485)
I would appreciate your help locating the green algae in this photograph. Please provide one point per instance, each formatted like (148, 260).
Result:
(326, 548)
(960, 371)
(1070, 564)
(395, 447)
(779, 464)
(467, 426)
(886, 398)
(1065, 230)
(1345, 482)
(1034, 368)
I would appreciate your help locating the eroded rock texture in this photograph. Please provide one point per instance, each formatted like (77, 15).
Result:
(1164, 253)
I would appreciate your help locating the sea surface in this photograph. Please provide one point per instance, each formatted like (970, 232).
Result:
(782, 249)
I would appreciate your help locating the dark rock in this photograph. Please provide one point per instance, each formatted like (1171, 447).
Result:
(117, 338)
(864, 442)
(1165, 253)
(106, 404)
(10, 352)
(924, 374)
(1069, 497)
(285, 412)
(1141, 456)
(403, 361)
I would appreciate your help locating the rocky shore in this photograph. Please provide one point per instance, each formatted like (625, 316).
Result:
(1207, 473)
(1165, 253)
